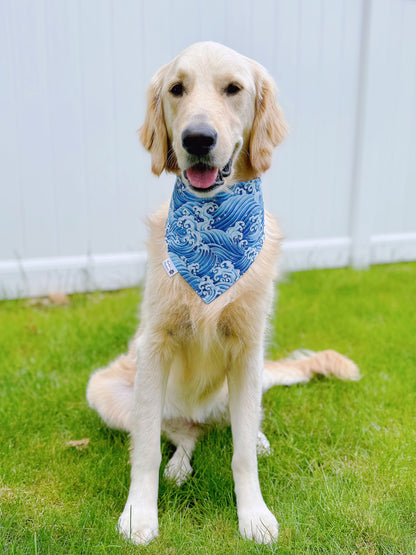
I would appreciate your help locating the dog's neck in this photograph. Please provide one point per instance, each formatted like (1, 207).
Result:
(213, 241)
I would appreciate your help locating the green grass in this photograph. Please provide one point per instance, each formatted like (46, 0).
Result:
(342, 476)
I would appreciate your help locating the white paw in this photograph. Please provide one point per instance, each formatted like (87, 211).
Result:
(259, 525)
(136, 526)
(263, 445)
(178, 469)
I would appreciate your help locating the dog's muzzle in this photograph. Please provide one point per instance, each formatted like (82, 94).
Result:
(199, 139)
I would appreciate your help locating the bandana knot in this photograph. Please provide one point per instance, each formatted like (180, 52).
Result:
(213, 241)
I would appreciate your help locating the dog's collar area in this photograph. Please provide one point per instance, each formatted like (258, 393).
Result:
(213, 241)
(221, 174)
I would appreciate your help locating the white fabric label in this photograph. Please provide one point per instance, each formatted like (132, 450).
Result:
(169, 267)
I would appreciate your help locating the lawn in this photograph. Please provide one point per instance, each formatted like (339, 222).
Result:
(342, 475)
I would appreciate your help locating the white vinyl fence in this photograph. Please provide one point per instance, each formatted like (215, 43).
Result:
(75, 185)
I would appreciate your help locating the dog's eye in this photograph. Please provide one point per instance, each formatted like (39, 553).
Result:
(177, 89)
(232, 89)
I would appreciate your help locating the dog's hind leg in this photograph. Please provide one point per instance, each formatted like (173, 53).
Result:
(301, 366)
(183, 434)
(110, 391)
(263, 445)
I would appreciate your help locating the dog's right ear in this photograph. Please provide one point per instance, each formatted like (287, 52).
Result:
(269, 126)
(153, 133)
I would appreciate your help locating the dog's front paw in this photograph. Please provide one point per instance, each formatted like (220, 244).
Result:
(259, 525)
(136, 526)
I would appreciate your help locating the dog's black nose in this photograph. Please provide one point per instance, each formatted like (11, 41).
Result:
(199, 139)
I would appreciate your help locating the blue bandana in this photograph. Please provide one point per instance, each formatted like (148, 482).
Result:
(213, 241)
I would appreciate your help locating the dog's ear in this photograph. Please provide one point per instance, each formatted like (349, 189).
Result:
(153, 133)
(269, 125)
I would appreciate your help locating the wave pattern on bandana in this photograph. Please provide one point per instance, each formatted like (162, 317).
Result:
(213, 242)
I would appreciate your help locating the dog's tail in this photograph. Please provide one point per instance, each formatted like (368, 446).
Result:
(302, 365)
(110, 392)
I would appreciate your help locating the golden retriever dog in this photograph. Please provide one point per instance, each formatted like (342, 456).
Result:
(212, 120)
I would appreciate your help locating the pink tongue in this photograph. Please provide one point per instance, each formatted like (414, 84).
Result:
(202, 179)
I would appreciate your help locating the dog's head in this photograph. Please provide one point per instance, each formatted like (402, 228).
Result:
(212, 116)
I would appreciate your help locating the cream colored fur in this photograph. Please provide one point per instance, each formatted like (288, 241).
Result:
(191, 363)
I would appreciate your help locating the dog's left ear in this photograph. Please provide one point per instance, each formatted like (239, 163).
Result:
(269, 126)
(153, 133)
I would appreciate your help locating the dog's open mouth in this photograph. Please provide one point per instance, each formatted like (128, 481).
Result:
(205, 178)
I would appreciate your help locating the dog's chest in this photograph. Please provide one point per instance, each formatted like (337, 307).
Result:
(196, 376)
(201, 350)
(203, 330)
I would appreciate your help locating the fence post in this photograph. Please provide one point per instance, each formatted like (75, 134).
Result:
(361, 213)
